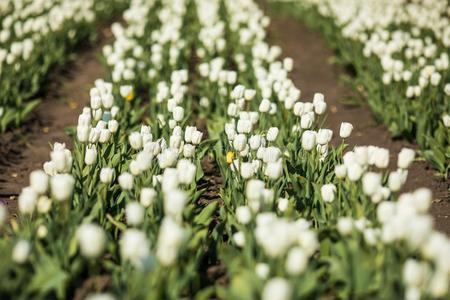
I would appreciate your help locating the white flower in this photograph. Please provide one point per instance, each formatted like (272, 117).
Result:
(414, 273)
(3, 214)
(345, 130)
(385, 211)
(27, 200)
(296, 261)
(308, 140)
(100, 296)
(320, 107)
(126, 181)
(91, 239)
(196, 137)
(247, 170)
(188, 150)
(354, 172)
(170, 238)
(243, 214)
(21, 251)
(397, 179)
(83, 133)
(113, 126)
(306, 121)
(405, 158)
(283, 204)
(371, 183)
(324, 136)
(134, 213)
(272, 134)
(274, 169)
(340, 171)
(328, 191)
(254, 189)
(446, 117)
(39, 181)
(239, 239)
(244, 126)
(147, 196)
(178, 113)
(174, 203)
(62, 186)
(277, 288)
(135, 140)
(380, 157)
(262, 270)
(134, 246)
(239, 143)
(254, 142)
(249, 94)
(345, 225)
(44, 204)
(106, 175)
(186, 171)
(91, 155)
(264, 106)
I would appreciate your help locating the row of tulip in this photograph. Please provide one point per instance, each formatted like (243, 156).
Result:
(298, 216)
(399, 51)
(36, 35)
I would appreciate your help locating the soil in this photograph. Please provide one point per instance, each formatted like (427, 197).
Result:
(313, 73)
(25, 149)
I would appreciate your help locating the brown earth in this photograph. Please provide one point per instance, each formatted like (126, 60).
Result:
(313, 73)
(25, 149)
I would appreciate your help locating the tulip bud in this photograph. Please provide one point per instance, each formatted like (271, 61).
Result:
(277, 288)
(91, 239)
(106, 175)
(296, 261)
(328, 191)
(178, 113)
(147, 196)
(308, 140)
(324, 136)
(21, 251)
(264, 106)
(83, 133)
(243, 215)
(134, 213)
(135, 140)
(272, 134)
(62, 186)
(27, 200)
(91, 155)
(126, 181)
(371, 183)
(39, 181)
(345, 130)
(345, 226)
(405, 158)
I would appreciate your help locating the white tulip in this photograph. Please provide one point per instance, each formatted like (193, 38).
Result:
(308, 140)
(405, 158)
(91, 239)
(345, 130)
(147, 196)
(90, 157)
(345, 226)
(328, 192)
(134, 213)
(324, 136)
(106, 175)
(277, 288)
(186, 171)
(39, 181)
(62, 186)
(27, 200)
(262, 270)
(134, 246)
(354, 172)
(274, 170)
(239, 239)
(21, 251)
(126, 181)
(272, 134)
(243, 215)
(296, 261)
(371, 183)
(135, 140)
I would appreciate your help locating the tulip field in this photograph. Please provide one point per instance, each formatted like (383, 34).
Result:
(199, 170)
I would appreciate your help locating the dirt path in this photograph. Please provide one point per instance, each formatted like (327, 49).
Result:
(25, 149)
(313, 73)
